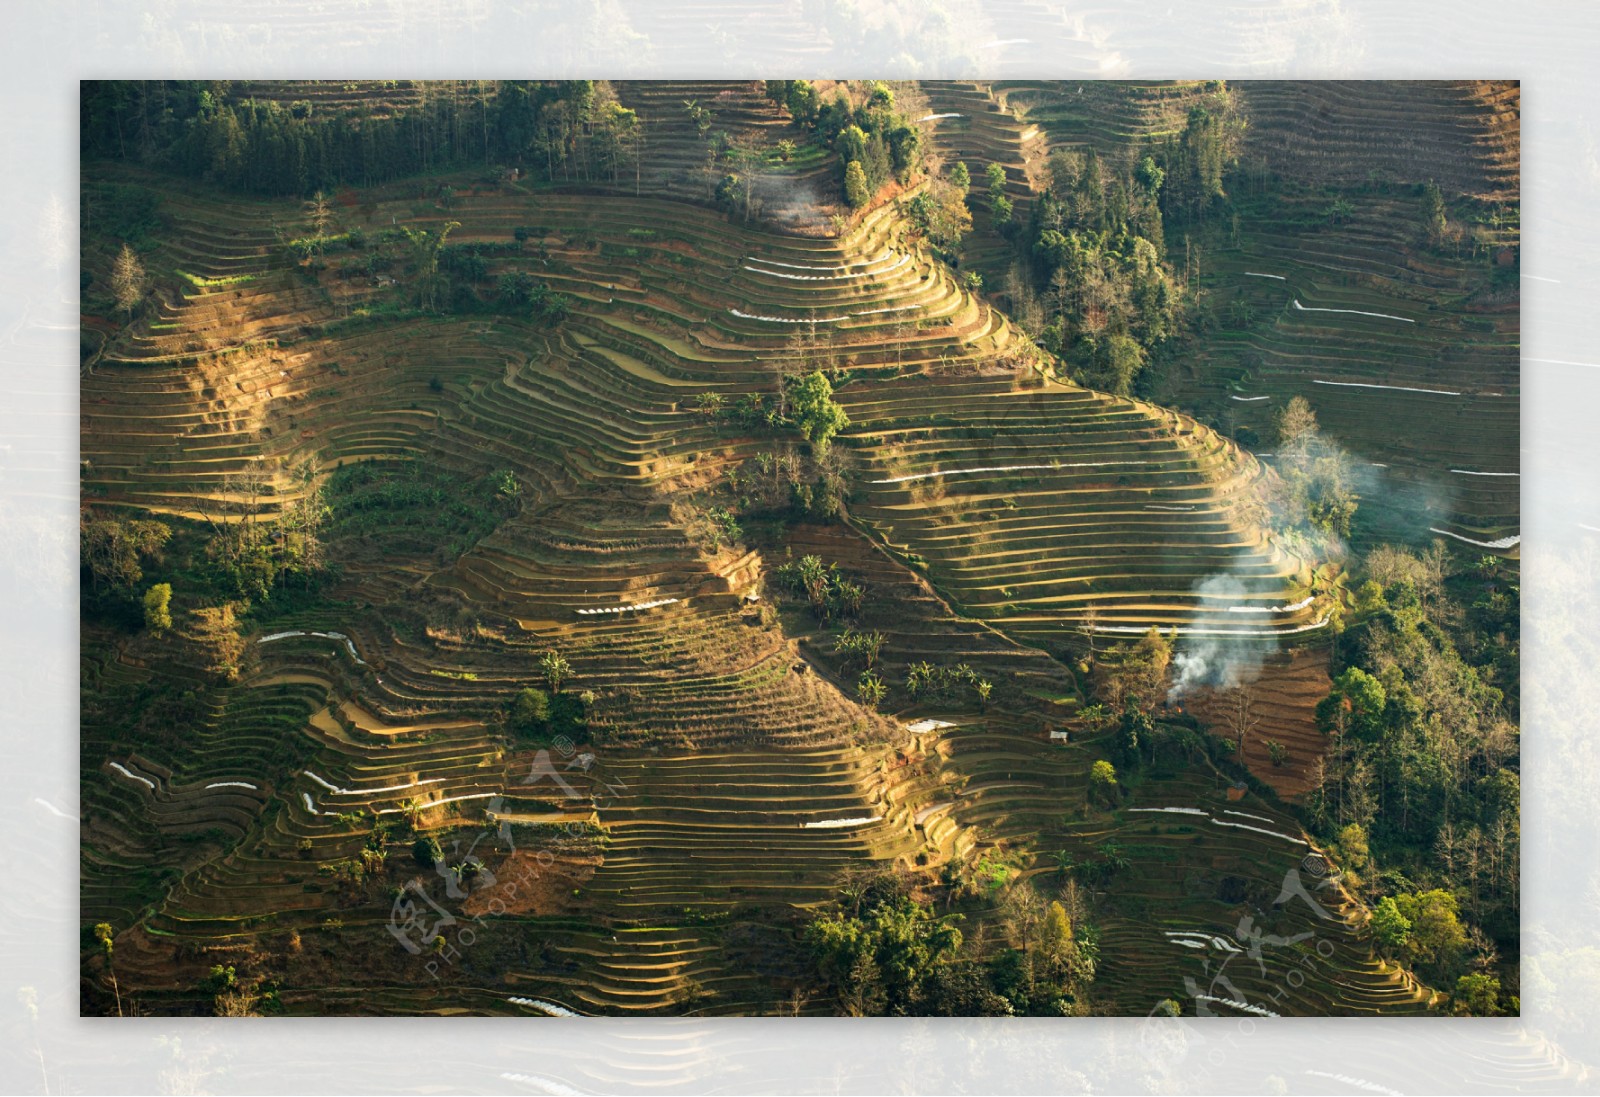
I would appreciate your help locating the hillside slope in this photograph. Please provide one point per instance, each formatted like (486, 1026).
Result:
(605, 478)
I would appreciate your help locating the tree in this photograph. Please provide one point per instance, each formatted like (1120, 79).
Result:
(940, 213)
(555, 669)
(1277, 752)
(1437, 937)
(1000, 207)
(514, 292)
(530, 711)
(995, 178)
(1477, 995)
(114, 550)
(127, 280)
(1150, 176)
(1390, 928)
(1434, 221)
(236, 1002)
(1000, 211)
(507, 488)
(855, 644)
(1055, 937)
(1121, 360)
(158, 608)
(1103, 779)
(1133, 729)
(320, 215)
(304, 518)
(1205, 142)
(1297, 425)
(802, 101)
(1024, 912)
(221, 978)
(856, 191)
(1142, 676)
(1241, 718)
(811, 400)
(961, 177)
(1354, 852)
(750, 157)
(425, 248)
(215, 634)
(701, 116)
(1355, 704)
(1091, 629)
(881, 957)
(105, 934)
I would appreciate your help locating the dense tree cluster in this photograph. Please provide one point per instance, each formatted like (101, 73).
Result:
(114, 551)
(1093, 284)
(940, 211)
(881, 952)
(1420, 787)
(571, 131)
(956, 684)
(874, 142)
(800, 401)
(1193, 164)
(1135, 673)
(1095, 245)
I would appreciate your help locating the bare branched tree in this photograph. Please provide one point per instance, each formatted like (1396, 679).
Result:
(1241, 718)
(127, 280)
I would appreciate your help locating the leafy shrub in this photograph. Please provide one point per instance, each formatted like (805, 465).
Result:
(540, 716)
(829, 593)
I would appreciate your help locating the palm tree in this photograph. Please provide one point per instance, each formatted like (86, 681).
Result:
(411, 808)
(425, 247)
(555, 669)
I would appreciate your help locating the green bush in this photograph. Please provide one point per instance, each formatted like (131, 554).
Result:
(541, 716)
(158, 608)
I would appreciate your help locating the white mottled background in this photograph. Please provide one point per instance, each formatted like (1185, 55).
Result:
(47, 47)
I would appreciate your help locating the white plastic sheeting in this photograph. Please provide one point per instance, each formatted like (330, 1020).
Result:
(1389, 388)
(1355, 312)
(833, 824)
(133, 776)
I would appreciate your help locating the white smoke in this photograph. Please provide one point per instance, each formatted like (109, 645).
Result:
(1392, 512)
(789, 202)
(1218, 662)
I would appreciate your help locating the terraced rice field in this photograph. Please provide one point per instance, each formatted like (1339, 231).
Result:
(1355, 314)
(993, 513)
(1283, 699)
(1402, 336)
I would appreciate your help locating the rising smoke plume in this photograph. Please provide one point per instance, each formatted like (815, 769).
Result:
(1218, 662)
(1406, 511)
(791, 203)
